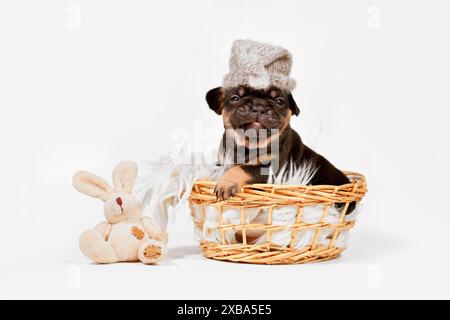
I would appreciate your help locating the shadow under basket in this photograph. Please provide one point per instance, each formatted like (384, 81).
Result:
(276, 224)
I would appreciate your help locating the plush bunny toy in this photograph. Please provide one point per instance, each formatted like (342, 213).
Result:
(125, 235)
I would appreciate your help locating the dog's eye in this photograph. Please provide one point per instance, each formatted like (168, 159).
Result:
(279, 101)
(235, 98)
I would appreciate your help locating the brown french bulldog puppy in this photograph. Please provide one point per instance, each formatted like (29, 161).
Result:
(266, 113)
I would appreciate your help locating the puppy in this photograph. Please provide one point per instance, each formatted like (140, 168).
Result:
(258, 135)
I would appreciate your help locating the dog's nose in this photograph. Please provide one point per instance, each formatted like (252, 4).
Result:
(258, 108)
(119, 201)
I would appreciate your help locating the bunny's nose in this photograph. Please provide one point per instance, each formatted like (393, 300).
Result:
(119, 201)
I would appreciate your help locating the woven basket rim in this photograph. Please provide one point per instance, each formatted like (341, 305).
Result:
(355, 177)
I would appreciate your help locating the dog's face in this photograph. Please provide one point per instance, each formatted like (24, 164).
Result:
(246, 108)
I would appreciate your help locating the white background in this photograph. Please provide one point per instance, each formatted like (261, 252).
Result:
(85, 84)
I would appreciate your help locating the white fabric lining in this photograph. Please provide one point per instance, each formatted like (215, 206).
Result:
(167, 185)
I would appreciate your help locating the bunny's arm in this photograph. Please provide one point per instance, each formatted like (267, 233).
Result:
(154, 230)
(104, 229)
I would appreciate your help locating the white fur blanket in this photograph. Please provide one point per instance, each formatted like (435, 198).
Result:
(167, 184)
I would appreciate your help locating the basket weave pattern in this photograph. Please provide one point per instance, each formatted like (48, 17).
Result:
(270, 196)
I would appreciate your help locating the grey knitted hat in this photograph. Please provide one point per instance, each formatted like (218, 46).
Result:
(259, 65)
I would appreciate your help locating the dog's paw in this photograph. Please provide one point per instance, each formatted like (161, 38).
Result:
(226, 189)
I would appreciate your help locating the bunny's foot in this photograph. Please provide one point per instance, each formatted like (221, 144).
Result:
(152, 251)
(96, 248)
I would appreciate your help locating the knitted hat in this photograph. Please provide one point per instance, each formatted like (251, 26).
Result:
(259, 65)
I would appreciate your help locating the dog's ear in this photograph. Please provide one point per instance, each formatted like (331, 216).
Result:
(292, 105)
(215, 98)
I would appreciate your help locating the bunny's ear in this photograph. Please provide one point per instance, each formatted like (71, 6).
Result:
(92, 185)
(124, 176)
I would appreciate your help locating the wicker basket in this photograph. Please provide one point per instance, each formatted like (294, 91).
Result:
(269, 197)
